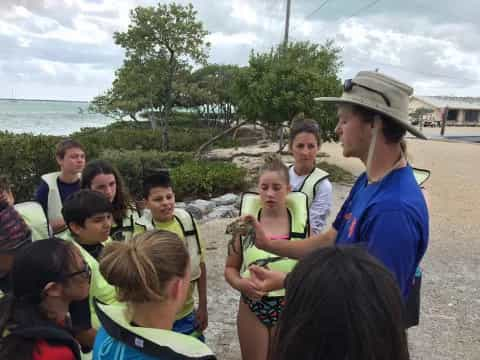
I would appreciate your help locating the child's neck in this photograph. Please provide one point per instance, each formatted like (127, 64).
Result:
(154, 315)
(156, 221)
(68, 177)
(274, 213)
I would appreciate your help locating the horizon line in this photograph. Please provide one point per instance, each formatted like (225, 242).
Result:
(49, 100)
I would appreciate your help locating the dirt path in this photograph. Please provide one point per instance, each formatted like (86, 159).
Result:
(450, 323)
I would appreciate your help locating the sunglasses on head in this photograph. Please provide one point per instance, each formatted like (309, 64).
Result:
(86, 272)
(349, 84)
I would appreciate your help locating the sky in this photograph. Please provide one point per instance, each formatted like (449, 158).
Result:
(64, 50)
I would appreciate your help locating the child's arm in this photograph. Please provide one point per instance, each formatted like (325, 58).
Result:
(202, 312)
(232, 273)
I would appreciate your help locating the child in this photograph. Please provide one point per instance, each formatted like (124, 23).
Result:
(101, 176)
(162, 215)
(284, 216)
(88, 215)
(341, 303)
(304, 144)
(46, 277)
(14, 234)
(57, 186)
(31, 211)
(152, 275)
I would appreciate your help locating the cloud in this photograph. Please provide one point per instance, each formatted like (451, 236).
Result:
(433, 46)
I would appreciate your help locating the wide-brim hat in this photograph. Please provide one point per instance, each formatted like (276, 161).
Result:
(380, 93)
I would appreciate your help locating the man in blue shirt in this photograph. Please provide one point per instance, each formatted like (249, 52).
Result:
(385, 211)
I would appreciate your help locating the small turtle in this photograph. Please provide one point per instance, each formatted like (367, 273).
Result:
(243, 228)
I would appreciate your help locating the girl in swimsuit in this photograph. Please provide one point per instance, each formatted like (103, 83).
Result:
(258, 313)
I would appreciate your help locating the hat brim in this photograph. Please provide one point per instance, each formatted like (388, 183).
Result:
(402, 122)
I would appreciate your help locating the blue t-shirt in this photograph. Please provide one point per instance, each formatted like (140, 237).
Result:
(389, 218)
(65, 189)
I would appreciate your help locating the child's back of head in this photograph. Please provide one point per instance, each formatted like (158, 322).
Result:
(341, 304)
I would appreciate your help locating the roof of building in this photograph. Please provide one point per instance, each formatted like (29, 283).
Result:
(466, 103)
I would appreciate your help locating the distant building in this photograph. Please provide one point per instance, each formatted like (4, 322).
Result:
(462, 111)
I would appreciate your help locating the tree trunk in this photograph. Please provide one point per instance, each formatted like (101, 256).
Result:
(202, 147)
(280, 138)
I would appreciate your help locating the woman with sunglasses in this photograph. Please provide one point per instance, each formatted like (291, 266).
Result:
(46, 277)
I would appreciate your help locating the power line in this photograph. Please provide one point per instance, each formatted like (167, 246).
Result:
(366, 7)
(316, 10)
(312, 13)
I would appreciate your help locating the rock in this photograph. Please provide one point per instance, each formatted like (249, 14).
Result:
(248, 134)
(227, 211)
(227, 199)
(180, 205)
(200, 208)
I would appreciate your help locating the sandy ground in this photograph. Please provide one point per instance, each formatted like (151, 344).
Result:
(450, 315)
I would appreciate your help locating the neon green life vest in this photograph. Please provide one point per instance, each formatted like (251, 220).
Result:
(310, 182)
(99, 287)
(190, 234)
(299, 229)
(158, 343)
(125, 230)
(421, 175)
(34, 216)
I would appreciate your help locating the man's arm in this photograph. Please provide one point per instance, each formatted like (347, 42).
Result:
(292, 249)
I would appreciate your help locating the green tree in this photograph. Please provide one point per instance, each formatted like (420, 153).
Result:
(283, 82)
(161, 44)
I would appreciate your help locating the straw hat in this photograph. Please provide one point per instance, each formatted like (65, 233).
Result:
(380, 93)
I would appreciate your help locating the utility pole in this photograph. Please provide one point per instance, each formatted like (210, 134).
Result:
(287, 23)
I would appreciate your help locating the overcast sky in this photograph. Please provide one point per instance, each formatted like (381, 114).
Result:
(53, 49)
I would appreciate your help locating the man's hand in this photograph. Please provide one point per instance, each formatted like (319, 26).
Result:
(201, 316)
(261, 239)
(248, 288)
(266, 280)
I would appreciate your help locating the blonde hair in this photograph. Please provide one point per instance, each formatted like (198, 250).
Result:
(273, 162)
(141, 267)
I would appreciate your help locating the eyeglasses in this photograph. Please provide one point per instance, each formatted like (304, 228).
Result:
(86, 272)
(349, 84)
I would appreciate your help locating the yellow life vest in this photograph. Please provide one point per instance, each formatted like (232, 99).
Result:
(125, 230)
(157, 343)
(54, 201)
(34, 216)
(99, 287)
(310, 182)
(299, 229)
(421, 175)
(190, 234)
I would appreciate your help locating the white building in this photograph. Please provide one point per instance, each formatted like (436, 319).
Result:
(462, 111)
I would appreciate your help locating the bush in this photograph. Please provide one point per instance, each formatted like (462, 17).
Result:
(23, 158)
(207, 179)
(181, 139)
(190, 179)
(135, 164)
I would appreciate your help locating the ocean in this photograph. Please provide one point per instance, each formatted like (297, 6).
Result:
(47, 117)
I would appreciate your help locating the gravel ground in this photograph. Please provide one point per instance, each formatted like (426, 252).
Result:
(450, 315)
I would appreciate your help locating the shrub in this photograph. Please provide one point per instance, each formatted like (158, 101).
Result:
(23, 158)
(207, 179)
(190, 179)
